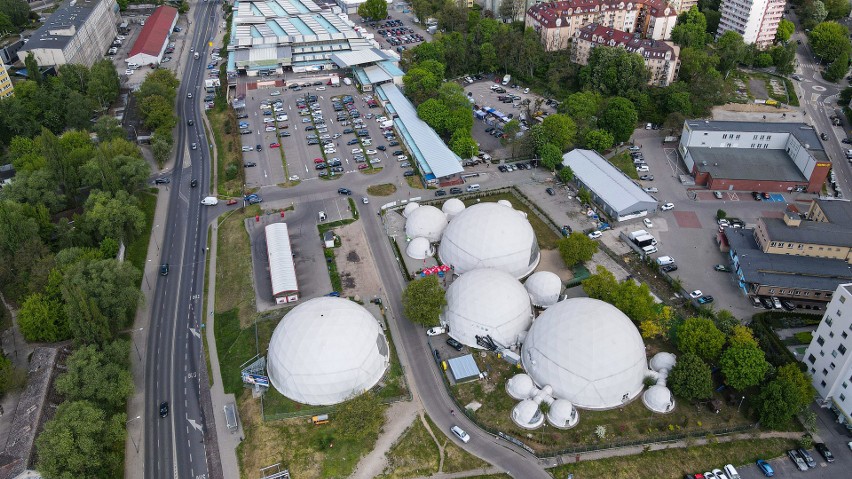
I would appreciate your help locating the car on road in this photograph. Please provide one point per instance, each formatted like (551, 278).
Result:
(668, 268)
(344, 191)
(248, 148)
(365, 200)
(707, 299)
(667, 207)
(275, 93)
(193, 146)
(722, 268)
(164, 269)
(647, 177)
(372, 152)
(193, 183)
(253, 198)
(189, 95)
(651, 189)
(824, 451)
(765, 468)
(162, 181)
(696, 294)
(455, 191)
(258, 147)
(440, 193)
(719, 474)
(459, 433)
(249, 164)
(164, 409)
(232, 201)
(436, 331)
(373, 161)
(595, 234)
(454, 344)
(634, 148)
(550, 191)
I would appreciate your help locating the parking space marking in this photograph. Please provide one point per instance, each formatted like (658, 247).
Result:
(733, 196)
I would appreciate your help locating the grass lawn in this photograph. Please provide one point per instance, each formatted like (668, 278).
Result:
(137, 251)
(415, 182)
(237, 345)
(229, 169)
(456, 459)
(385, 189)
(415, 454)
(234, 289)
(631, 423)
(674, 463)
(546, 237)
(624, 162)
(371, 170)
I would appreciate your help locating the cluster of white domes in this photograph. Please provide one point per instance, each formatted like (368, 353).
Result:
(658, 397)
(419, 248)
(528, 412)
(326, 350)
(427, 222)
(544, 288)
(487, 302)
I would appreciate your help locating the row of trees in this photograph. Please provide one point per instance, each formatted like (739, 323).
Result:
(15, 15)
(68, 100)
(830, 42)
(156, 98)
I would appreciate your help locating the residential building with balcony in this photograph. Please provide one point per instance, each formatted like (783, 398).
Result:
(756, 20)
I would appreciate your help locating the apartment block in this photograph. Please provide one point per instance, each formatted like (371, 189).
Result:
(756, 20)
(6, 87)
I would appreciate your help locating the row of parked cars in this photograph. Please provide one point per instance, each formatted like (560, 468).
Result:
(729, 472)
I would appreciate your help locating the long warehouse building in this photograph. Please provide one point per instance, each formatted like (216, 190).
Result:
(282, 269)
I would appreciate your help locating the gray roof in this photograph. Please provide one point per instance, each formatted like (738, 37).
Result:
(463, 368)
(782, 270)
(65, 16)
(376, 75)
(802, 131)
(357, 57)
(607, 182)
(838, 211)
(746, 164)
(816, 232)
(441, 160)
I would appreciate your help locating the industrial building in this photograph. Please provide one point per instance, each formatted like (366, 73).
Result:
(78, 32)
(154, 37)
(754, 156)
(617, 195)
(288, 35)
(826, 357)
(6, 87)
(282, 269)
(756, 20)
(370, 68)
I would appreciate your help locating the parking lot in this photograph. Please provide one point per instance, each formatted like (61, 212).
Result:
(402, 33)
(131, 78)
(321, 135)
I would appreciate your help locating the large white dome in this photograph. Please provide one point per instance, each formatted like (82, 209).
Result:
(426, 221)
(487, 302)
(488, 235)
(326, 350)
(544, 288)
(419, 248)
(588, 351)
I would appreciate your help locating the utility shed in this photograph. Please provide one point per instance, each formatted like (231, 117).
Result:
(463, 368)
(282, 270)
(618, 196)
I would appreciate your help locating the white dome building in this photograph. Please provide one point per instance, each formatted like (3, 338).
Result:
(562, 414)
(526, 414)
(505, 203)
(487, 302)
(326, 350)
(520, 386)
(409, 208)
(419, 248)
(658, 399)
(588, 351)
(663, 361)
(426, 221)
(452, 207)
(488, 235)
(544, 288)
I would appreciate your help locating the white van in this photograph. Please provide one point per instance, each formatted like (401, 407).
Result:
(731, 472)
(210, 201)
(664, 260)
(649, 249)
(132, 65)
(473, 187)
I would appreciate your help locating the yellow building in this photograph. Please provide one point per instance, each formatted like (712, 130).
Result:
(6, 87)
(826, 233)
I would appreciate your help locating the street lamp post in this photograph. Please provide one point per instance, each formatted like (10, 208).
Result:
(741, 403)
(134, 342)
(136, 446)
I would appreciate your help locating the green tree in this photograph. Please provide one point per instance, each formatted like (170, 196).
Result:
(731, 49)
(726, 321)
(33, 70)
(423, 300)
(487, 57)
(113, 286)
(691, 29)
(10, 378)
(782, 58)
(838, 68)
(583, 107)
(785, 30)
(812, 13)
(741, 336)
(463, 144)
(420, 85)
(551, 156)
(691, 378)
(701, 337)
(620, 118)
(837, 9)
(511, 130)
(108, 128)
(459, 120)
(576, 248)
(799, 383)
(433, 112)
(103, 83)
(6, 26)
(601, 285)
(373, 9)
(18, 12)
(42, 319)
(161, 147)
(559, 130)
(743, 366)
(359, 418)
(775, 404)
(99, 376)
(114, 216)
(565, 174)
(614, 71)
(830, 40)
(81, 441)
(599, 140)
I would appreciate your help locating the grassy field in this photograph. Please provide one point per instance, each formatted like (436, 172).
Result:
(237, 345)
(415, 182)
(546, 237)
(415, 454)
(137, 251)
(226, 136)
(234, 289)
(624, 162)
(456, 459)
(674, 463)
(385, 189)
(631, 423)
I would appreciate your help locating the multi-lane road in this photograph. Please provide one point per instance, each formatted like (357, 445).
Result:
(173, 444)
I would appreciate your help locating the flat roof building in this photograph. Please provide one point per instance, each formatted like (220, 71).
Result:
(282, 270)
(154, 37)
(754, 156)
(78, 32)
(756, 20)
(616, 194)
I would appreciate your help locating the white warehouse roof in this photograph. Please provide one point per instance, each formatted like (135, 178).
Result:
(282, 270)
(325, 351)
(619, 193)
(588, 351)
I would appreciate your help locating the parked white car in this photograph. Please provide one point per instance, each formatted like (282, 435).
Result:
(667, 206)
(437, 330)
(595, 234)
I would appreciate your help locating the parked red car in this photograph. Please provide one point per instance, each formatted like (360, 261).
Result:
(274, 145)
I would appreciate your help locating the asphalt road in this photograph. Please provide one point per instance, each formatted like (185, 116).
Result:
(173, 446)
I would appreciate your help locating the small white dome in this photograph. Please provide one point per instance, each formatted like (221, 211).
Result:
(562, 414)
(409, 208)
(487, 302)
(520, 386)
(544, 288)
(527, 415)
(523, 214)
(426, 221)
(663, 360)
(452, 207)
(419, 248)
(505, 203)
(658, 399)
(487, 235)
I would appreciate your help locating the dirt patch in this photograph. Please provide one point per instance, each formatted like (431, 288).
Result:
(551, 261)
(355, 262)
